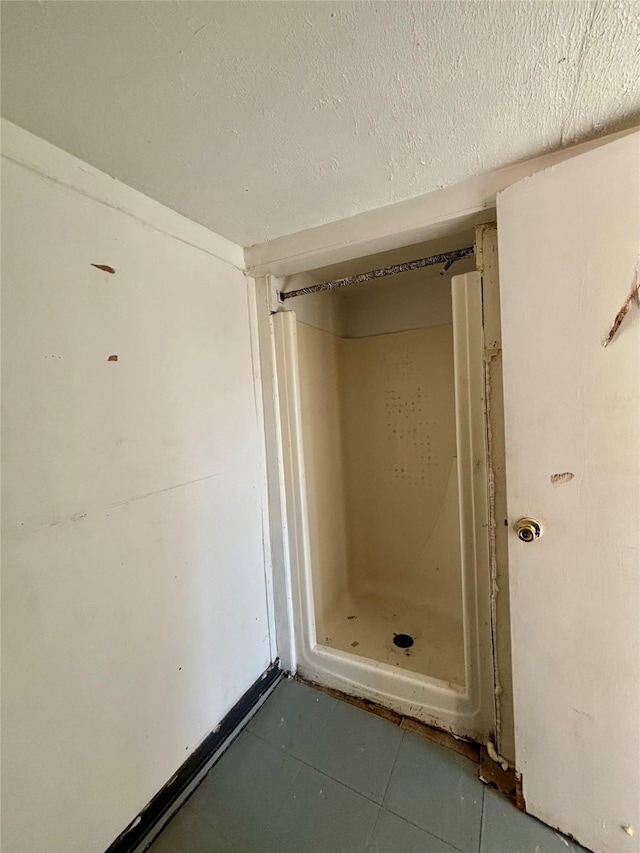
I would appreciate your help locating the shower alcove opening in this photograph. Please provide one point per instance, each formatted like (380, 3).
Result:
(383, 446)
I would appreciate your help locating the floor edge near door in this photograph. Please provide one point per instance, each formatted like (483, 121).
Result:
(504, 779)
(143, 823)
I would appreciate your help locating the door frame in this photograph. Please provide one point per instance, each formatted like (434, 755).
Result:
(431, 216)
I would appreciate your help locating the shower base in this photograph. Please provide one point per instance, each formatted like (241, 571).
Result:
(365, 624)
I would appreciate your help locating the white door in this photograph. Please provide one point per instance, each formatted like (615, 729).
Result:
(568, 253)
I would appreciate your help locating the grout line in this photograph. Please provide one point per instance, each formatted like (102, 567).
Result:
(331, 779)
(380, 805)
(324, 773)
(402, 817)
(201, 818)
(439, 737)
(304, 763)
(422, 829)
(373, 828)
(393, 766)
(359, 793)
(285, 799)
(317, 769)
(484, 788)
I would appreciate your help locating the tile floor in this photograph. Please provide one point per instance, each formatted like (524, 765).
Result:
(312, 774)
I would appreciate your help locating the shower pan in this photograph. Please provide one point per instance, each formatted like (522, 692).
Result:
(383, 452)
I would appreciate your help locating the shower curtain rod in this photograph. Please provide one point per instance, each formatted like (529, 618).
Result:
(446, 258)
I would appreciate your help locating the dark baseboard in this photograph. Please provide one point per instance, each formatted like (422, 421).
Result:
(141, 826)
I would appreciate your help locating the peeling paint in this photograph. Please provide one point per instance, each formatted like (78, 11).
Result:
(493, 562)
(495, 756)
(565, 477)
(632, 298)
(491, 353)
(78, 516)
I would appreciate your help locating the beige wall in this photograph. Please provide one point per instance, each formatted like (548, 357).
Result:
(399, 413)
(133, 597)
(413, 300)
(325, 310)
(379, 444)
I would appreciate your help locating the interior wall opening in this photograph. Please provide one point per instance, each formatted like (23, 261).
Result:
(378, 412)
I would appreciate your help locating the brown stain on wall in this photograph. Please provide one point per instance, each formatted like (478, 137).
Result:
(634, 296)
(112, 358)
(564, 477)
(104, 268)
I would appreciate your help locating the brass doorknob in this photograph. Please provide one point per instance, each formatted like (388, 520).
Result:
(528, 529)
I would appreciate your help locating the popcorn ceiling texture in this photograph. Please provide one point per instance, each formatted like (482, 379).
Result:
(261, 119)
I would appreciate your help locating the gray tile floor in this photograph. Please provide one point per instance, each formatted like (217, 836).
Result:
(312, 774)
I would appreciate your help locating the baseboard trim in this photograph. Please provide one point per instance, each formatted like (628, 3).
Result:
(142, 826)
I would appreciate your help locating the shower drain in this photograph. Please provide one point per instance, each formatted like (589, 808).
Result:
(403, 641)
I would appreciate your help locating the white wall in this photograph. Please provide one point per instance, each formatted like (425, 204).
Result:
(134, 606)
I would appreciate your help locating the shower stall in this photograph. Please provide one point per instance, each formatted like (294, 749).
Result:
(383, 460)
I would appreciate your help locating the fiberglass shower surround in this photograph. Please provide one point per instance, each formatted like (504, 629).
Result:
(377, 396)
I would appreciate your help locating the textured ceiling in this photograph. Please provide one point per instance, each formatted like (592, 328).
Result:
(261, 119)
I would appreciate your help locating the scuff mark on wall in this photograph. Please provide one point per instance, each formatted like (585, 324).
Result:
(78, 516)
(167, 489)
(564, 477)
(104, 268)
(634, 296)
